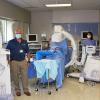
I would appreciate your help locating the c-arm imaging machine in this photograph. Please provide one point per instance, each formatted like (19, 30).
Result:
(5, 82)
(91, 64)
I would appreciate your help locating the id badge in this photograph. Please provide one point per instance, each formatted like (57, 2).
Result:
(21, 51)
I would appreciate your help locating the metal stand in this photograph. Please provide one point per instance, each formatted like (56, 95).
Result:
(48, 85)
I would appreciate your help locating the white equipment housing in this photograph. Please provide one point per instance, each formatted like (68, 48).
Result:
(5, 83)
(92, 66)
(92, 69)
(90, 50)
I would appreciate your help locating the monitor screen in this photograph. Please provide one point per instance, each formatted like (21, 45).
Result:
(84, 35)
(32, 38)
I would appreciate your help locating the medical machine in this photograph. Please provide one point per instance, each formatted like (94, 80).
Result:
(91, 66)
(91, 70)
(32, 37)
(90, 63)
(5, 83)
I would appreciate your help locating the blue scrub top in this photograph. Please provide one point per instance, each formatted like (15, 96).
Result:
(17, 50)
(87, 42)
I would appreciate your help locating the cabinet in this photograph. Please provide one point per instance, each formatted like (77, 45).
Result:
(34, 47)
(45, 44)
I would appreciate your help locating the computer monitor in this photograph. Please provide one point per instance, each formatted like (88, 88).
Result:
(84, 34)
(32, 37)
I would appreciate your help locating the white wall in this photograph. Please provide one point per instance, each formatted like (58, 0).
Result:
(9, 10)
(41, 22)
(76, 16)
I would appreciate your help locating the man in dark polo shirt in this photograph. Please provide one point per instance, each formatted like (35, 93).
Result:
(18, 50)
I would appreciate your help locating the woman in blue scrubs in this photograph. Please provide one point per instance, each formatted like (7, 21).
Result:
(89, 40)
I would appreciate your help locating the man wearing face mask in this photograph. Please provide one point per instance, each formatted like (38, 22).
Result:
(18, 50)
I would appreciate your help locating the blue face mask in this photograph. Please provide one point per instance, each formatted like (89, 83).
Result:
(18, 36)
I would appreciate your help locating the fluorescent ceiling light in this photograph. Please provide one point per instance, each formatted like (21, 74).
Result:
(58, 5)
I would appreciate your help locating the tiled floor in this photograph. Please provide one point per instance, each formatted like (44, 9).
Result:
(72, 90)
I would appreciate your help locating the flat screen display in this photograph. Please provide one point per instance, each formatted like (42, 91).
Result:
(84, 35)
(32, 38)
